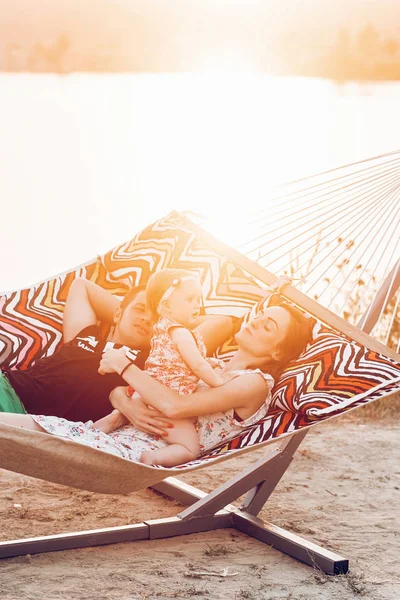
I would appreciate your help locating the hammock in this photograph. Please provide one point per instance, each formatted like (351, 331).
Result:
(340, 370)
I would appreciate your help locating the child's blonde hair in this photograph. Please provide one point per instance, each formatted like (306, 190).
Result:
(161, 282)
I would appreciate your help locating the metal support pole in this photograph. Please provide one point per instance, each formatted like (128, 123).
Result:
(381, 300)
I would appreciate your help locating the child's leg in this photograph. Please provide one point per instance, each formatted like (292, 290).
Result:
(115, 419)
(110, 422)
(23, 421)
(183, 446)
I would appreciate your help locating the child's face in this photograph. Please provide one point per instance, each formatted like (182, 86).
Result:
(184, 303)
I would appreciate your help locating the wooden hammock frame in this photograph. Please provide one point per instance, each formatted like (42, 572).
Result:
(207, 512)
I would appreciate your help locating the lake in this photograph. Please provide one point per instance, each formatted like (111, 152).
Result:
(89, 159)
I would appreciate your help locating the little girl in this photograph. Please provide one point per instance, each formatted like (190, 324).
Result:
(177, 359)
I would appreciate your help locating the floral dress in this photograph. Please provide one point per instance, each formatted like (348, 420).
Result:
(129, 443)
(219, 427)
(165, 362)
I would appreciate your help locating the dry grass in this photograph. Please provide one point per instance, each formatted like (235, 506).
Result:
(385, 410)
(354, 582)
(216, 550)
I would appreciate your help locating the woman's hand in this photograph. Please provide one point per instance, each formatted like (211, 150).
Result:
(113, 361)
(139, 414)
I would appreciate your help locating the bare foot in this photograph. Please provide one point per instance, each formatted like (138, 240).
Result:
(110, 422)
(148, 457)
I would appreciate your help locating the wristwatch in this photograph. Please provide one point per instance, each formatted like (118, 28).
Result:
(131, 355)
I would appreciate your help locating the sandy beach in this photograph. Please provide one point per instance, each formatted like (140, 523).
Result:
(342, 491)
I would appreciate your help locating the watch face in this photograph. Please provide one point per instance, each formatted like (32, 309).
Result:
(131, 354)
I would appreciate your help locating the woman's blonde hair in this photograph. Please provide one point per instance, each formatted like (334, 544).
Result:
(160, 282)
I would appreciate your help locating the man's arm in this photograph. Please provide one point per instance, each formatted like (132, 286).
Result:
(86, 304)
(214, 329)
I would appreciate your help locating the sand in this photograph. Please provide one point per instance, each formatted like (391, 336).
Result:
(342, 491)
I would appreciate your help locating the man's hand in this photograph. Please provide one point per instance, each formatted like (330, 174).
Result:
(113, 361)
(139, 414)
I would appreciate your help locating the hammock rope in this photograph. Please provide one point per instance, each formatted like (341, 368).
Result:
(282, 223)
(329, 238)
(337, 234)
(306, 194)
(338, 221)
(383, 252)
(367, 212)
(374, 225)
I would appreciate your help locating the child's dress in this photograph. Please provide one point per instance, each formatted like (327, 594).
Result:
(165, 362)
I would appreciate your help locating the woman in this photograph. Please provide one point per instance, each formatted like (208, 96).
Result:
(268, 342)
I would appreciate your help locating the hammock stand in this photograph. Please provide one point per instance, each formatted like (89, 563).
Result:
(214, 510)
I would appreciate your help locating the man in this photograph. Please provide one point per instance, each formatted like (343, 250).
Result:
(68, 384)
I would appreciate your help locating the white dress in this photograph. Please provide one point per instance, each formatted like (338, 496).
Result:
(129, 443)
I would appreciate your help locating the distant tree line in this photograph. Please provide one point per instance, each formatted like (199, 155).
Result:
(363, 56)
(58, 56)
(50, 57)
(366, 56)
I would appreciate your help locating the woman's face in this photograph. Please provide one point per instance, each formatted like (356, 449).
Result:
(263, 335)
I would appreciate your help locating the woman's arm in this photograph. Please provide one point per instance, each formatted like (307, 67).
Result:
(247, 391)
(86, 304)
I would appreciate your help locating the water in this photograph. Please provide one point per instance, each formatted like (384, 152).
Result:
(87, 160)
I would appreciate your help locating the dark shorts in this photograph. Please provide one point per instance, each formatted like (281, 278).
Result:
(9, 401)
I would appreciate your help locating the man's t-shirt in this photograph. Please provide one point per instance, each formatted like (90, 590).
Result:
(67, 384)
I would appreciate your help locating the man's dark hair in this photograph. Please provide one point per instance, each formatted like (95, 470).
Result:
(131, 295)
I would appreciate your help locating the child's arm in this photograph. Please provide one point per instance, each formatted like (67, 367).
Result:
(187, 348)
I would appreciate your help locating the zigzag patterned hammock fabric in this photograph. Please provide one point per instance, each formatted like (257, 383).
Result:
(334, 375)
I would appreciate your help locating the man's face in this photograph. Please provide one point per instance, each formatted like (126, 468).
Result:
(133, 326)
